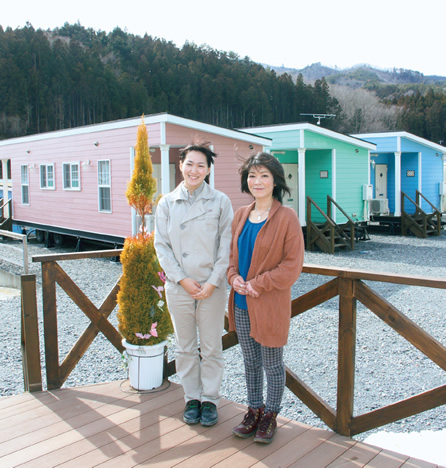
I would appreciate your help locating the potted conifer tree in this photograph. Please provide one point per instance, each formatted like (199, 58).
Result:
(143, 318)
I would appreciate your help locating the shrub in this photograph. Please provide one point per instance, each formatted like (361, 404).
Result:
(143, 317)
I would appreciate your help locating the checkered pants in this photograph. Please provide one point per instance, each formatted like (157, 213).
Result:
(256, 359)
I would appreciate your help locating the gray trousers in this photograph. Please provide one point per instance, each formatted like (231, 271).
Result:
(204, 321)
(258, 358)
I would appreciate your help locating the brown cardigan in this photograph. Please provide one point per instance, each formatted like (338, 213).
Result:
(276, 264)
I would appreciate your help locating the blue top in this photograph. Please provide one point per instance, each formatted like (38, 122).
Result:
(245, 245)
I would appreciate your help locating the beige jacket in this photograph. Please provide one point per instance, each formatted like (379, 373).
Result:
(192, 241)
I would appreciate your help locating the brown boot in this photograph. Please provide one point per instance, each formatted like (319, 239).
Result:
(249, 424)
(267, 428)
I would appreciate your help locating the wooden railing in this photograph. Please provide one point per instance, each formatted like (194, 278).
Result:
(420, 223)
(348, 235)
(347, 284)
(435, 216)
(336, 234)
(5, 218)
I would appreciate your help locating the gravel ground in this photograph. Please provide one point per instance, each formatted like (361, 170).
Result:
(388, 368)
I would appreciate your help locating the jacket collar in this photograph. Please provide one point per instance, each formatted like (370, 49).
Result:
(180, 193)
(197, 208)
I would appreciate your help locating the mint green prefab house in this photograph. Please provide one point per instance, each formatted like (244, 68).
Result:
(320, 163)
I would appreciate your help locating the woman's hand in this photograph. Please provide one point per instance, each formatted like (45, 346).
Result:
(239, 285)
(251, 291)
(205, 292)
(191, 286)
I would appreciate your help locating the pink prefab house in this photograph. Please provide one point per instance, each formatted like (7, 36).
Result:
(73, 182)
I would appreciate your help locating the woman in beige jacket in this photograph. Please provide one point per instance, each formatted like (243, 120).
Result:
(266, 258)
(192, 236)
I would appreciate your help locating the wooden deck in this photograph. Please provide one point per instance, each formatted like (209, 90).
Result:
(111, 425)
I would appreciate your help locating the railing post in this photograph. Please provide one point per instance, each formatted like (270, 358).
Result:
(32, 371)
(346, 356)
(309, 225)
(50, 326)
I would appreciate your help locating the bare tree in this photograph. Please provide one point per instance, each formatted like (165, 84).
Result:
(363, 112)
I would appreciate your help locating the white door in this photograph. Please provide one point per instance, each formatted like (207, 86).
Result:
(157, 175)
(150, 221)
(292, 178)
(381, 181)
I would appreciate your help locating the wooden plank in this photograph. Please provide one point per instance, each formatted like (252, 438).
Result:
(325, 453)
(310, 398)
(81, 444)
(296, 449)
(410, 280)
(221, 448)
(400, 410)
(254, 453)
(387, 459)
(389, 314)
(346, 356)
(77, 255)
(196, 445)
(50, 326)
(415, 463)
(229, 340)
(62, 408)
(32, 371)
(14, 400)
(358, 455)
(315, 297)
(102, 424)
(144, 444)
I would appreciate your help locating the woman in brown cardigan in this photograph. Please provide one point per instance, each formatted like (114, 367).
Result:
(266, 258)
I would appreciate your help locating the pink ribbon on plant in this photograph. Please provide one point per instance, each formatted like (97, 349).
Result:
(149, 335)
(158, 290)
(162, 276)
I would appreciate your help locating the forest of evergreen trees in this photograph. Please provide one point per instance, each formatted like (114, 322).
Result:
(73, 76)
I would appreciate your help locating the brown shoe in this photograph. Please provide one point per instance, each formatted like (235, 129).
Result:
(267, 428)
(249, 424)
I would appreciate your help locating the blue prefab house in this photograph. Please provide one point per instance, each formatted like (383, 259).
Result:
(406, 163)
(320, 162)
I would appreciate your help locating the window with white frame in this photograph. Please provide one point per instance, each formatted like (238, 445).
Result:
(71, 176)
(104, 185)
(47, 176)
(24, 180)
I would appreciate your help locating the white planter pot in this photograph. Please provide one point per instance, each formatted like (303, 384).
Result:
(145, 365)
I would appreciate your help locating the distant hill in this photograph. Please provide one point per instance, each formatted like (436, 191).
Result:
(360, 75)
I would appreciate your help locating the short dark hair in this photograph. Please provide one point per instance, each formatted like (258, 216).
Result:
(273, 165)
(202, 147)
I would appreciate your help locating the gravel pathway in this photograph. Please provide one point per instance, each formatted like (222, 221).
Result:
(388, 368)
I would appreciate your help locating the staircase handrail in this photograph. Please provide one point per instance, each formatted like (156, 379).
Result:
(2, 206)
(350, 222)
(418, 208)
(332, 200)
(310, 202)
(434, 208)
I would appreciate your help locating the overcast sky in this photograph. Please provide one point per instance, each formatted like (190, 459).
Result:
(295, 33)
